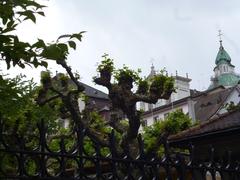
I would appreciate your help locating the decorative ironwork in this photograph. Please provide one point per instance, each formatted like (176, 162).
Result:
(33, 158)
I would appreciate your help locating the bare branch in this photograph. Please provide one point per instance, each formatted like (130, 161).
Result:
(103, 81)
(115, 124)
(69, 71)
(97, 136)
(42, 102)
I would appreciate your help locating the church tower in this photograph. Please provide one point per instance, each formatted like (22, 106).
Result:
(224, 73)
(182, 90)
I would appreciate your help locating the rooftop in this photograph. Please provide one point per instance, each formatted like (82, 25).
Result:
(224, 122)
(222, 56)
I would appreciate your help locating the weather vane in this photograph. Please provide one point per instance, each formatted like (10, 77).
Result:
(220, 37)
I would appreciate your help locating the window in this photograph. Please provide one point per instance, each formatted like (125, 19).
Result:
(150, 107)
(166, 115)
(155, 119)
(180, 109)
(144, 123)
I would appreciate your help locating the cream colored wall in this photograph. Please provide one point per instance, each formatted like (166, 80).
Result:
(150, 118)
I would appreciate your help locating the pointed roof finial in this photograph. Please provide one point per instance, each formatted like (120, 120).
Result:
(222, 55)
(153, 72)
(220, 37)
(152, 67)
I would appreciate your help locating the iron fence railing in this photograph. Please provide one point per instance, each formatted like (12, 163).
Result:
(33, 158)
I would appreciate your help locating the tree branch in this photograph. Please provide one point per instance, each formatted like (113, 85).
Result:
(115, 124)
(69, 71)
(42, 102)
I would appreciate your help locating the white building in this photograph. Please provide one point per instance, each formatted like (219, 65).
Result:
(205, 105)
(178, 100)
(182, 87)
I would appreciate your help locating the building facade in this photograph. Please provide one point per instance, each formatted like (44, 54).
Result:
(182, 87)
(223, 89)
(224, 73)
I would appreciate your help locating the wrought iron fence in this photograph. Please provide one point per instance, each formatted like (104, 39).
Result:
(33, 158)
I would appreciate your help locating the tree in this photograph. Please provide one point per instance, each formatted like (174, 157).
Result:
(16, 52)
(60, 89)
(124, 98)
(17, 96)
(157, 134)
(19, 112)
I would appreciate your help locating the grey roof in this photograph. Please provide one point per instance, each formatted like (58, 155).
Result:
(194, 94)
(89, 91)
(93, 92)
(224, 122)
(209, 103)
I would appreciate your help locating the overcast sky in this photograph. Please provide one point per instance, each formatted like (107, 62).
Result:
(177, 35)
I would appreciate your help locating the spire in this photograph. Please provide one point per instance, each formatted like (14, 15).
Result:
(220, 38)
(224, 74)
(222, 56)
(153, 72)
(152, 68)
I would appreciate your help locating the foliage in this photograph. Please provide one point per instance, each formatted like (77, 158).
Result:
(16, 52)
(106, 64)
(125, 74)
(232, 106)
(124, 97)
(98, 123)
(58, 96)
(143, 86)
(55, 97)
(175, 122)
(17, 106)
(156, 84)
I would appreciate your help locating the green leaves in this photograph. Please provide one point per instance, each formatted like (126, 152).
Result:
(126, 75)
(162, 86)
(54, 52)
(44, 63)
(78, 35)
(63, 36)
(143, 87)
(72, 44)
(10, 27)
(39, 44)
(15, 52)
(18, 108)
(41, 13)
(106, 64)
(28, 15)
(175, 122)
(12, 50)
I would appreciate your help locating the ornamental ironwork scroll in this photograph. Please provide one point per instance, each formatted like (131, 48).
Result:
(69, 157)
